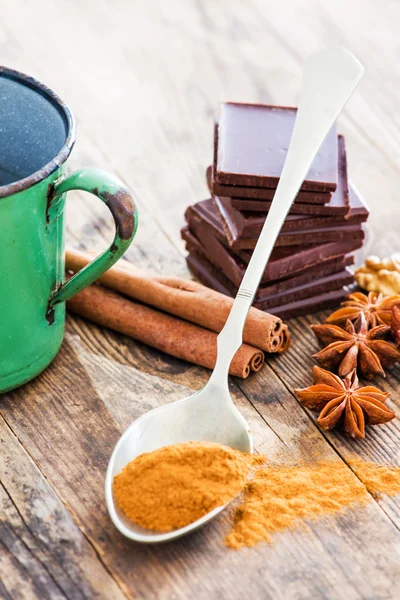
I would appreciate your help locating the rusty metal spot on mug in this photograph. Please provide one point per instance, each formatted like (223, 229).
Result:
(50, 316)
(121, 207)
(49, 196)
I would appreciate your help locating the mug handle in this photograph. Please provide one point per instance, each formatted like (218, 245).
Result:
(119, 200)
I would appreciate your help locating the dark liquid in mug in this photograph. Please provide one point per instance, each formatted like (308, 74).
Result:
(7, 176)
(32, 129)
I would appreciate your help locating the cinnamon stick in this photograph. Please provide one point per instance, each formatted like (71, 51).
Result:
(159, 330)
(188, 300)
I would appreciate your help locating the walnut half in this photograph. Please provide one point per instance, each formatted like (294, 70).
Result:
(380, 275)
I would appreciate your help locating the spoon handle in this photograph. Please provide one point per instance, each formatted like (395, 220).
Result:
(329, 79)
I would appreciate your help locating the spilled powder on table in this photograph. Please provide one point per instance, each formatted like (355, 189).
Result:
(378, 479)
(282, 497)
(175, 485)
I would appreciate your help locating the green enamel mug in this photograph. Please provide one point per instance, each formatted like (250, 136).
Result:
(37, 134)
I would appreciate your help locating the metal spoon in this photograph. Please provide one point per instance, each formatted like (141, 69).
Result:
(329, 79)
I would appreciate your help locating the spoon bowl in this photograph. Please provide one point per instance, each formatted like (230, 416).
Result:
(209, 415)
(329, 79)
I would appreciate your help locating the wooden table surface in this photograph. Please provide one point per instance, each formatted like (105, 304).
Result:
(144, 79)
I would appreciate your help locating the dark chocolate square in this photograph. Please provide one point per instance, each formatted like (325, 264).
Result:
(251, 146)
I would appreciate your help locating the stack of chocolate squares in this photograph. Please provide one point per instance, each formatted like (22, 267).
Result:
(309, 267)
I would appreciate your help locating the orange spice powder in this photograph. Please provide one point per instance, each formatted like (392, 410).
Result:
(378, 479)
(176, 485)
(280, 497)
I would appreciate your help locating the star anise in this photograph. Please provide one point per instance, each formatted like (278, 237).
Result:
(343, 401)
(355, 348)
(395, 325)
(377, 309)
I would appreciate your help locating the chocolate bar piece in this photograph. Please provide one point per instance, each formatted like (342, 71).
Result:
(251, 144)
(357, 206)
(207, 212)
(320, 285)
(285, 311)
(310, 236)
(351, 206)
(241, 224)
(324, 269)
(257, 195)
(283, 263)
(339, 205)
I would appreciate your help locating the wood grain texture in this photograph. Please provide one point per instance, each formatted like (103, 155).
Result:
(43, 552)
(144, 80)
(101, 396)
